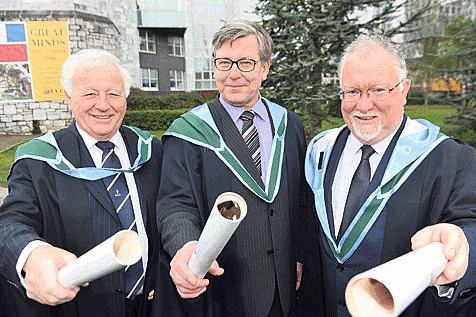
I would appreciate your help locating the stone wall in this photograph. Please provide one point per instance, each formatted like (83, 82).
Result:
(85, 31)
(33, 117)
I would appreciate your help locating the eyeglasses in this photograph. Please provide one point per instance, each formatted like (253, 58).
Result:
(375, 93)
(244, 64)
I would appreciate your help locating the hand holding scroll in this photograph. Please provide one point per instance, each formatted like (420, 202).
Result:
(41, 268)
(455, 249)
(187, 283)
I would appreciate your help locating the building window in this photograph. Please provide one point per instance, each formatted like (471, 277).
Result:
(176, 46)
(204, 80)
(177, 80)
(150, 79)
(147, 41)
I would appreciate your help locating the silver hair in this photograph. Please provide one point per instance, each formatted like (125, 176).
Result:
(88, 59)
(371, 41)
(233, 30)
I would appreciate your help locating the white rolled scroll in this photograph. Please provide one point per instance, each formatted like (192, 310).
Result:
(388, 289)
(122, 249)
(216, 233)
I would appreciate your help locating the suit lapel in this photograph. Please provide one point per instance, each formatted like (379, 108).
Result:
(130, 139)
(97, 187)
(233, 139)
(330, 174)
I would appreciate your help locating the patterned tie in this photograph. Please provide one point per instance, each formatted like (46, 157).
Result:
(117, 187)
(250, 135)
(358, 188)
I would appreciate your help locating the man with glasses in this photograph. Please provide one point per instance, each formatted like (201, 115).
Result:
(239, 143)
(385, 184)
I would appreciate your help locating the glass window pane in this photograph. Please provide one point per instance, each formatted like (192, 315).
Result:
(206, 85)
(153, 73)
(198, 85)
(206, 75)
(198, 75)
(153, 83)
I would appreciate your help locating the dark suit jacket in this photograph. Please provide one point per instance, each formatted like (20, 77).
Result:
(74, 215)
(193, 177)
(440, 190)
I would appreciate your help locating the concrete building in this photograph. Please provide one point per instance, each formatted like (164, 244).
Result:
(165, 45)
(109, 25)
(428, 31)
(183, 30)
(431, 27)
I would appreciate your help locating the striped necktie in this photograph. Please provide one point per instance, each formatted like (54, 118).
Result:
(117, 187)
(250, 135)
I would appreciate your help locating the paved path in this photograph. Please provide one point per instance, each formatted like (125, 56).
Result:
(8, 141)
(3, 193)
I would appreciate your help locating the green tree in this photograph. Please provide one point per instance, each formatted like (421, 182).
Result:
(309, 37)
(457, 56)
(424, 71)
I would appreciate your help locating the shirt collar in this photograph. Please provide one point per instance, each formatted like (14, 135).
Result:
(91, 142)
(235, 112)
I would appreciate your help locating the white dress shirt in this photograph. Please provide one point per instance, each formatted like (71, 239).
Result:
(348, 163)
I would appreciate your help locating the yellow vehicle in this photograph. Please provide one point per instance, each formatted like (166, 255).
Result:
(446, 84)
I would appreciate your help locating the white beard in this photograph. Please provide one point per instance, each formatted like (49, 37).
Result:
(367, 132)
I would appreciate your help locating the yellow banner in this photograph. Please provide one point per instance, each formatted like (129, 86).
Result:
(48, 48)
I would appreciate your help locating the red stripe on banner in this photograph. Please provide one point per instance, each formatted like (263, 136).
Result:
(13, 53)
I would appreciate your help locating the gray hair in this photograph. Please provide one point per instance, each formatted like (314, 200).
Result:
(371, 41)
(233, 30)
(88, 59)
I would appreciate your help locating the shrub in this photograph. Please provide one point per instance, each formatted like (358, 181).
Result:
(138, 92)
(171, 101)
(182, 100)
(141, 102)
(152, 120)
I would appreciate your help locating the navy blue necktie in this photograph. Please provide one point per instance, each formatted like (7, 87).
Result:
(117, 187)
(358, 188)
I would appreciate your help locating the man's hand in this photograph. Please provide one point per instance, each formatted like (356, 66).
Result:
(41, 268)
(187, 283)
(299, 276)
(455, 249)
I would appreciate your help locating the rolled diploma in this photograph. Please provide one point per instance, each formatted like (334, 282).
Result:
(388, 289)
(216, 233)
(122, 249)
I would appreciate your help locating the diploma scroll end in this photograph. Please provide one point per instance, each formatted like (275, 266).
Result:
(368, 297)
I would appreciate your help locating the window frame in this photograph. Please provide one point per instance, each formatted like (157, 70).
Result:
(202, 80)
(149, 79)
(173, 45)
(148, 33)
(176, 81)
